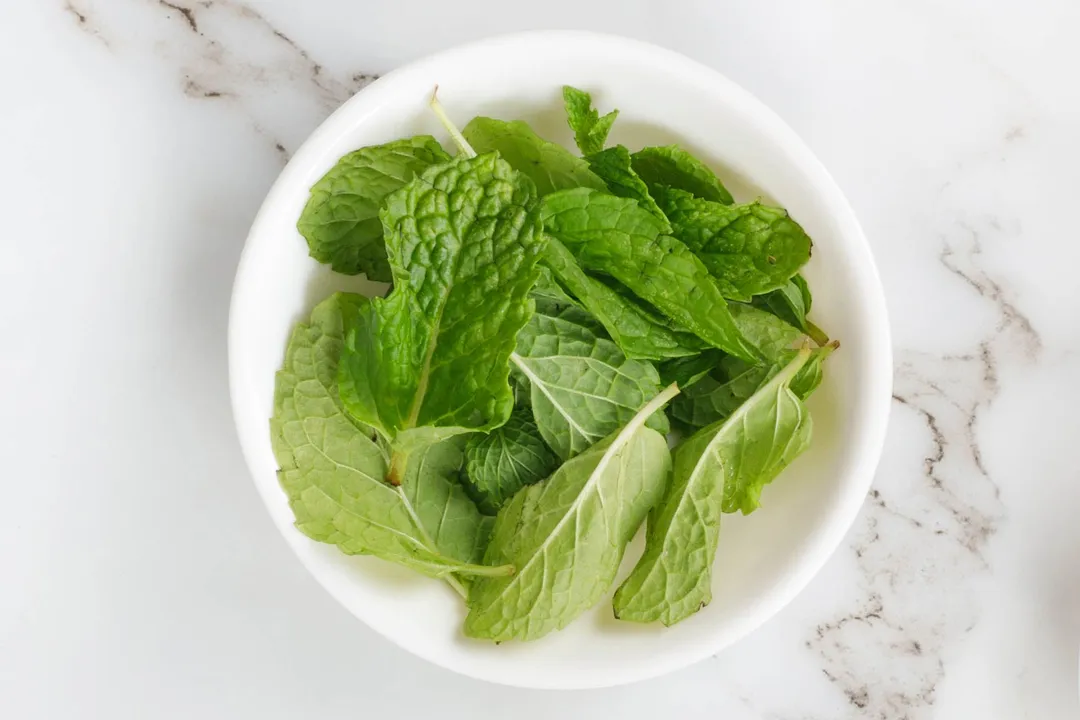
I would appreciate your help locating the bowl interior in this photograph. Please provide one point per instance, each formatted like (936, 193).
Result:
(763, 559)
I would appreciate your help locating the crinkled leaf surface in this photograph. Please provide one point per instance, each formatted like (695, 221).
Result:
(721, 468)
(432, 358)
(750, 249)
(551, 166)
(507, 459)
(634, 329)
(672, 166)
(616, 236)
(332, 469)
(341, 219)
(566, 535)
(582, 386)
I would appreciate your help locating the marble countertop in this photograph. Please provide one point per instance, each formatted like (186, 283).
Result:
(141, 575)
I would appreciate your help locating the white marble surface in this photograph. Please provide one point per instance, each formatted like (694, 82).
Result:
(139, 574)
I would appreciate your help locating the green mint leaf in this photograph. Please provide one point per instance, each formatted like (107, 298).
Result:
(332, 469)
(672, 166)
(432, 358)
(566, 535)
(685, 371)
(552, 167)
(549, 288)
(768, 333)
(590, 130)
(582, 387)
(750, 249)
(613, 165)
(507, 459)
(804, 289)
(442, 505)
(715, 397)
(791, 303)
(341, 218)
(721, 468)
(813, 372)
(632, 327)
(615, 236)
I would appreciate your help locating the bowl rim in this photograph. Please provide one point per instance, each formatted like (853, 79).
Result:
(874, 416)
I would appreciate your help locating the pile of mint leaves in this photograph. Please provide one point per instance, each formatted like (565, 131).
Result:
(502, 417)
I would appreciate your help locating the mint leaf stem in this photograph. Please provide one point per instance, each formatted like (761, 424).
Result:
(440, 112)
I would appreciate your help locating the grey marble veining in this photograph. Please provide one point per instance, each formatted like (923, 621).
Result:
(226, 51)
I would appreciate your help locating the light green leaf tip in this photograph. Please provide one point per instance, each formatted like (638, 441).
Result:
(720, 468)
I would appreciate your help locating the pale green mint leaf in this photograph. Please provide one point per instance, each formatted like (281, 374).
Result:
(717, 396)
(721, 468)
(590, 130)
(566, 535)
(813, 372)
(552, 167)
(617, 237)
(444, 509)
(672, 166)
(632, 327)
(791, 303)
(750, 249)
(341, 219)
(582, 386)
(332, 470)
(432, 358)
(507, 459)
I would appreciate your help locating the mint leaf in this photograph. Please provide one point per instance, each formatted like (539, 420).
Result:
(615, 236)
(506, 460)
(453, 521)
(613, 166)
(582, 387)
(804, 289)
(672, 166)
(566, 535)
(332, 469)
(552, 167)
(717, 396)
(590, 130)
(632, 327)
(686, 371)
(549, 288)
(750, 249)
(341, 218)
(432, 359)
(768, 333)
(791, 303)
(721, 468)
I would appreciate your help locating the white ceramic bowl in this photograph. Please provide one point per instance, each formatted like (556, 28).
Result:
(663, 97)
